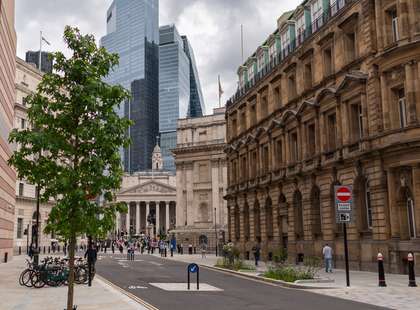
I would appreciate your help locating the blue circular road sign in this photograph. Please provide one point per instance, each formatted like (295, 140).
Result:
(193, 268)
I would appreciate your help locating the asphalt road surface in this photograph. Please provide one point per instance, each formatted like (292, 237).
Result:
(238, 293)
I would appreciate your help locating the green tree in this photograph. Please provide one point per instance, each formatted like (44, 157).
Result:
(72, 148)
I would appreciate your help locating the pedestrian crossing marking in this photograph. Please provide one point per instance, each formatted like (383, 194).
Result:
(183, 287)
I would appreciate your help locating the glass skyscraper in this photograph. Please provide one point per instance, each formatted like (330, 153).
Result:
(179, 88)
(133, 33)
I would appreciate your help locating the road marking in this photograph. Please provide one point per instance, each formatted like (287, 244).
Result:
(128, 294)
(134, 287)
(156, 264)
(183, 287)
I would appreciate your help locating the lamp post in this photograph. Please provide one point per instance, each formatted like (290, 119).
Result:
(215, 230)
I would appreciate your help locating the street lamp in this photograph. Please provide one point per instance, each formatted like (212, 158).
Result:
(215, 229)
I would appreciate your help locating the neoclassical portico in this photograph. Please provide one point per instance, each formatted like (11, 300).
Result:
(151, 200)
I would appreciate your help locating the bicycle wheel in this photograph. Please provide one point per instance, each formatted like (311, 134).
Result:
(37, 279)
(81, 275)
(25, 278)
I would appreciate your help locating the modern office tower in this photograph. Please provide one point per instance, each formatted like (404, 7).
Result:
(179, 88)
(7, 102)
(133, 33)
(46, 63)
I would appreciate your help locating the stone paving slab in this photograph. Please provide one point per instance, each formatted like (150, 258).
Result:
(99, 296)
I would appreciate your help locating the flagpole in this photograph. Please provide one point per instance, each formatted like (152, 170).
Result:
(40, 50)
(220, 94)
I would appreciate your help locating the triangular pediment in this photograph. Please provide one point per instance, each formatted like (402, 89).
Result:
(150, 187)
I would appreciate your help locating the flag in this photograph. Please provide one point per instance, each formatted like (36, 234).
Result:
(45, 40)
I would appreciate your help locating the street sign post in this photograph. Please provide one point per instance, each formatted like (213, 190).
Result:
(193, 268)
(343, 206)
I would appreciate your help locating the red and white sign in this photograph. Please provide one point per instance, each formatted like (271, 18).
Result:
(343, 194)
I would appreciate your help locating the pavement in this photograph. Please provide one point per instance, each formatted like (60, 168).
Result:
(364, 285)
(162, 283)
(99, 296)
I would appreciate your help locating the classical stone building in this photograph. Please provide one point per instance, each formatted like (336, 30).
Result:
(151, 200)
(27, 79)
(332, 97)
(7, 100)
(201, 174)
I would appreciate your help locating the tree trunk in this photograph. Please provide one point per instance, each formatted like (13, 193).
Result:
(70, 292)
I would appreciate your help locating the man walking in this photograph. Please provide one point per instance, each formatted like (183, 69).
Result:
(327, 253)
(256, 249)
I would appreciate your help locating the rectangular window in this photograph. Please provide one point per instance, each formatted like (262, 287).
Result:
(276, 95)
(251, 72)
(265, 159)
(402, 106)
(332, 132)
(234, 128)
(351, 47)
(356, 122)
(261, 62)
(273, 52)
(243, 118)
(300, 29)
(244, 168)
(311, 140)
(368, 207)
(292, 87)
(19, 228)
(411, 218)
(254, 164)
(394, 25)
(203, 172)
(22, 123)
(279, 153)
(317, 15)
(253, 114)
(308, 75)
(285, 42)
(294, 155)
(328, 62)
(21, 188)
(264, 107)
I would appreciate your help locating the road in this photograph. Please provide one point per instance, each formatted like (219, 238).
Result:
(237, 293)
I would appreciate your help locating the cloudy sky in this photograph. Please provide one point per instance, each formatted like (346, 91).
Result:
(212, 26)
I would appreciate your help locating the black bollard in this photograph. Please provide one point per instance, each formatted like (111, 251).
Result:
(411, 273)
(20, 250)
(44, 249)
(49, 250)
(5, 257)
(381, 270)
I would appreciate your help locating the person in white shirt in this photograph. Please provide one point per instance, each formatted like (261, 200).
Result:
(327, 253)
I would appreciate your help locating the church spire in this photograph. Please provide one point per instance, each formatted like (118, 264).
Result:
(157, 161)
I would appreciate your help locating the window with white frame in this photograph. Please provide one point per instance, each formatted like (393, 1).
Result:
(272, 51)
(402, 106)
(251, 72)
(300, 29)
(261, 62)
(285, 41)
(394, 25)
(316, 14)
(336, 5)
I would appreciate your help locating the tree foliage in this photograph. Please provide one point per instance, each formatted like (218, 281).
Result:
(71, 149)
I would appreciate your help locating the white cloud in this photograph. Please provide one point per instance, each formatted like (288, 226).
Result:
(212, 26)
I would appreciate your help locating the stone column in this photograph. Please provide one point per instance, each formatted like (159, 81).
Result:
(147, 212)
(409, 79)
(127, 222)
(137, 217)
(417, 87)
(379, 22)
(167, 222)
(157, 217)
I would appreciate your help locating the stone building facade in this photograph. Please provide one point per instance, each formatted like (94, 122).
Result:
(151, 199)
(332, 97)
(7, 100)
(201, 173)
(27, 79)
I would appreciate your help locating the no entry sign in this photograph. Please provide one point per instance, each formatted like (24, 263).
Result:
(343, 203)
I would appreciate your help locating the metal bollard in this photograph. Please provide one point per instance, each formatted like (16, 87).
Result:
(411, 273)
(20, 250)
(5, 257)
(381, 270)
(49, 250)
(44, 249)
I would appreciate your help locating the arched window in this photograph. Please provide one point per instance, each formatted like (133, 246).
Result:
(257, 221)
(298, 214)
(362, 204)
(316, 211)
(269, 218)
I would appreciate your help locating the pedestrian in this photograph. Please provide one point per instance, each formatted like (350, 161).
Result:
(190, 249)
(257, 251)
(91, 255)
(113, 247)
(203, 250)
(327, 253)
(121, 249)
